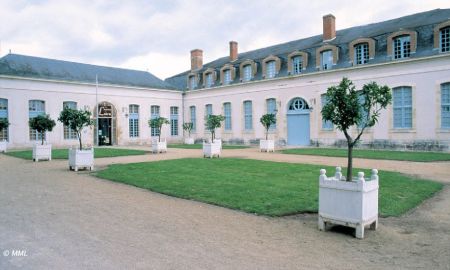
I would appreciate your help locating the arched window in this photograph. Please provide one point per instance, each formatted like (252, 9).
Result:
(270, 69)
(326, 57)
(401, 44)
(209, 77)
(69, 134)
(4, 115)
(297, 62)
(361, 50)
(248, 70)
(298, 104)
(133, 121)
(35, 108)
(247, 73)
(444, 39)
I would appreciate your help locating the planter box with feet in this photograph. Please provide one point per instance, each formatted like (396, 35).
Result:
(81, 159)
(3, 146)
(266, 145)
(189, 141)
(352, 204)
(211, 150)
(42, 152)
(159, 147)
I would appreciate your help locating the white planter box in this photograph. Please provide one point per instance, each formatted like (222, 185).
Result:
(352, 204)
(211, 149)
(81, 159)
(3, 146)
(159, 147)
(219, 142)
(188, 140)
(42, 152)
(266, 145)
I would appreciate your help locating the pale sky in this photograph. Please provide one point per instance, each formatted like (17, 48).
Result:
(158, 35)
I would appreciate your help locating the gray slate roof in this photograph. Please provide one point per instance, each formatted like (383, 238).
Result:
(44, 68)
(423, 23)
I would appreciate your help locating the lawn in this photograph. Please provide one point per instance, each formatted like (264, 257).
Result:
(372, 154)
(64, 153)
(260, 187)
(199, 146)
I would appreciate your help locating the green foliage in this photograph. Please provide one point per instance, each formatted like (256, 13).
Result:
(41, 124)
(76, 120)
(157, 123)
(261, 187)
(188, 126)
(344, 109)
(213, 122)
(100, 152)
(267, 120)
(200, 146)
(4, 124)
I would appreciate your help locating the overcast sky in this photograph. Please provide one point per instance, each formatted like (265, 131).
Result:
(157, 35)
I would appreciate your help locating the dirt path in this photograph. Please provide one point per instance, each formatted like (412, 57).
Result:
(67, 220)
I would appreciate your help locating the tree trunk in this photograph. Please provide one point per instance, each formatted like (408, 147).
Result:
(350, 162)
(79, 139)
(159, 134)
(267, 133)
(42, 137)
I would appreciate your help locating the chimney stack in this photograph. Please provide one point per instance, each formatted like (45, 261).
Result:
(329, 27)
(196, 59)
(233, 51)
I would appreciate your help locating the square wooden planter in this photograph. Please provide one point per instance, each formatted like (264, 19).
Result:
(3, 146)
(159, 147)
(81, 159)
(211, 150)
(266, 145)
(352, 204)
(42, 152)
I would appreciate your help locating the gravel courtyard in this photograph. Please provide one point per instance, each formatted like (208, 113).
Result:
(68, 220)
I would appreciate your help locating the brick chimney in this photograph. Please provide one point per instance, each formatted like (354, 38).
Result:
(196, 59)
(233, 51)
(329, 27)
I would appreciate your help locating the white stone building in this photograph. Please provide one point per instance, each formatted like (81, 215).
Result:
(409, 54)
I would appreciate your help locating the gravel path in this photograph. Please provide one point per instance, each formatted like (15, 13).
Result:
(68, 220)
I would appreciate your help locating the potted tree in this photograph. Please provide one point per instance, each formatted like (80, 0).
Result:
(4, 124)
(212, 148)
(188, 127)
(77, 120)
(267, 120)
(344, 200)
(42, 124)
(158, 146)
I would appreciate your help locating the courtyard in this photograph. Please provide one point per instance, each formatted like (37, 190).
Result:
(70, 220)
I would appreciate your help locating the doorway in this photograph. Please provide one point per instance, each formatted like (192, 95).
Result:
(104, 131)
(106, 124)
(298, 122)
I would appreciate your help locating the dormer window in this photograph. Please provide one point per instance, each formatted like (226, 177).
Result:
(444, 39)
(192, 82)
(297, 65)
(361, 53)
(402, 47)
(209, 81)
(270, 69)
(326, 59)
(247, 73)
(226, 76)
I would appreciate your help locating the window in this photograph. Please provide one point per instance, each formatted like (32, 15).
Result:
(326, 125)
(4, 115)
(208, 110)
(298, 104)
(271, 104)
(444, 39)
(133, 121)
(445, 105)
(174, 121)
(192, 82)
(70, 134)
(154, 111)
(35, 108)
(247, 73)
(270, 69)
(227, 76)
(402, 107)
(326, 59)
(209, 80)
(402, 47)
(227, 113)
(193, 118)
(248, 118)
(362, 53)
(361, 101)
(297, 65)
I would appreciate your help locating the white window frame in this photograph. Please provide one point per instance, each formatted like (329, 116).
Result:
(271, 69)
(401, 46)
(445, 105)
(326, 125)
(133, 121)
(193, 115)
(155, 111)
(444, 39)
(361, 53)
(227, 114)
(326, 59)
(173, 121)
(69, 134)
(248, 115)
(297, 64)
(227, 76)
(402, 107)
(247, 71)
(34, 111)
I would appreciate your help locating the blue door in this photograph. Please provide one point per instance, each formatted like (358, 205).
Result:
(298, 123)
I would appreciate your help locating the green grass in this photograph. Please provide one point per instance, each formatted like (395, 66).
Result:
(260, 187)
(199, 146)
(372, 154)
(64, 153)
